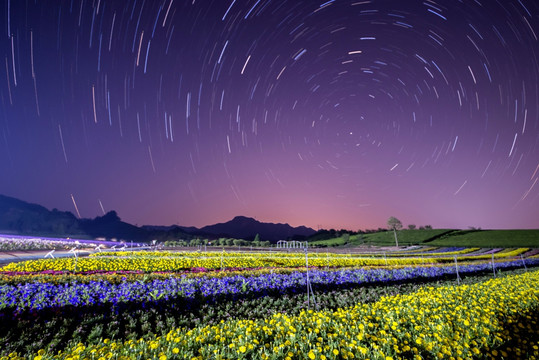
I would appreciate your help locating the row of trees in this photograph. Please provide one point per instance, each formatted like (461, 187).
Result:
(324, 234)
(413, 227)
(218, 242)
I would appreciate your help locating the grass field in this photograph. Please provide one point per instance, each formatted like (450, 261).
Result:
(405, 237)
(490, 238)
(442, 237)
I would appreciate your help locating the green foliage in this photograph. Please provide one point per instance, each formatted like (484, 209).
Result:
(489, 238)
(176, 243)
(323, 234)
(336, 241)
(441, 237)
(394, 224)
(406, 237)
(217, 242)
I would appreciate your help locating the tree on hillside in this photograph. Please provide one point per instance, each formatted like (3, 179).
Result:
(411, 227)
(237, 242)
(394, 224)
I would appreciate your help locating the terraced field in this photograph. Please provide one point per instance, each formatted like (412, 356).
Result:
(440, 238)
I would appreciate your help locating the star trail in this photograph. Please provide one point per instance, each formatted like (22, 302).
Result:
(333, 114)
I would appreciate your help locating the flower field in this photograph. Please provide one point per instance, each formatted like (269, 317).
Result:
(167, 305)
(181, 261)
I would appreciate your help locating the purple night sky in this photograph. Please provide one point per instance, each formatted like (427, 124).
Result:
(333, 114)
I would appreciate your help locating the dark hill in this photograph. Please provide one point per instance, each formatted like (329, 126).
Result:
(242, 227)
(111, 226)
(17, 216)
(25, 218)
(30, 219)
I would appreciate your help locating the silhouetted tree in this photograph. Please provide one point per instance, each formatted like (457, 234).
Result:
(394, 224)
(411, 227)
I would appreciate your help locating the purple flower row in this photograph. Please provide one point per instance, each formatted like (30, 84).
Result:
(37, 296)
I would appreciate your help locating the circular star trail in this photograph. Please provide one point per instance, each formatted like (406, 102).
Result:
(334, 114)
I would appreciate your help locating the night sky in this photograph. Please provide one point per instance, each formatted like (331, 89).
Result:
(331, 114)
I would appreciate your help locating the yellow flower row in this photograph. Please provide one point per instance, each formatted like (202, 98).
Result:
(178, 263)
(171, 261)
(437, 323)
(300, 255)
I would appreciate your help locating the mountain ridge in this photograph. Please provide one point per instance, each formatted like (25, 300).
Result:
(32, 219)
(247, 227)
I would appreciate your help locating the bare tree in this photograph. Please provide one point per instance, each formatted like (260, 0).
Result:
(394, 224)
